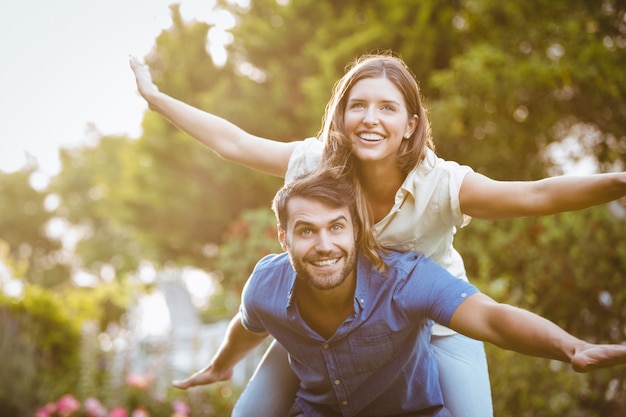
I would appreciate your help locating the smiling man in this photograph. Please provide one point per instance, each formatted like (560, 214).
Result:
(358, 336)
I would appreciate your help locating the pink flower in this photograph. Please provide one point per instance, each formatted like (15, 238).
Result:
(180, 408)
(67, 405)
(138, 381)
(94, 408)
(46, 410)
(140, 412)
(118, 412)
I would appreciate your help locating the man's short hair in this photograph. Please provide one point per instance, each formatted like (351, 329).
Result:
(321, 186)
(335, 191)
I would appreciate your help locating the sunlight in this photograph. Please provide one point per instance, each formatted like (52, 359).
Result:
(154, 316)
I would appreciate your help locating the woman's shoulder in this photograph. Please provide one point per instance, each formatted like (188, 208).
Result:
(434, 163)
(304, 158)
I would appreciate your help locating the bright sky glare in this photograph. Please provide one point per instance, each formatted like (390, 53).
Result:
(65, 67)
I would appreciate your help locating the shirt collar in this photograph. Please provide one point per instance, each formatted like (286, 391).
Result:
(422, 169)
(363, 269)
(292, 289)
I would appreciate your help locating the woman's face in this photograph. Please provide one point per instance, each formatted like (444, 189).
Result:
(377, 120)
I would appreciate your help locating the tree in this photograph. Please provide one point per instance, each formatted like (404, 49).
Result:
(176, 197)
(87, 187)
(502, 81)
(23, 226)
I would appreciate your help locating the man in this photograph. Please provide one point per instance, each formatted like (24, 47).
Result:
(357, 336)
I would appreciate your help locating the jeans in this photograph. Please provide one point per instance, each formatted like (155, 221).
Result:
(463, 376)
(272, 389)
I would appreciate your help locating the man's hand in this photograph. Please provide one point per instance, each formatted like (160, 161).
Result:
(589, 357)
(204, 377)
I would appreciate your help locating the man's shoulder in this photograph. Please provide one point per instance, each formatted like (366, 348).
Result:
(274, 262)
(396, 258)
(275, 269)
(402, 264)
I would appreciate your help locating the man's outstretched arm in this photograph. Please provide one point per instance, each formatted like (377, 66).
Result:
(237, 344)
(511, 328)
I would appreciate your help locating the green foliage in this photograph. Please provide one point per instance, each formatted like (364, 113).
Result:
(517, 87)
(252, 236)
(249, 238)
(501, 80)
(569, 269)
(87, 187)
(23, 219)
(177, 198)
(43, 343)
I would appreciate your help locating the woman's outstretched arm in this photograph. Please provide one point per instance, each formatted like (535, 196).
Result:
(223, 137)
(484, 198)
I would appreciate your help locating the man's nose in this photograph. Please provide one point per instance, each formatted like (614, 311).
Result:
(324, 242)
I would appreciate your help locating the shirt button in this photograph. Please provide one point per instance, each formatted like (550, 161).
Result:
(326, 346)
(344, 402)
(337, 382)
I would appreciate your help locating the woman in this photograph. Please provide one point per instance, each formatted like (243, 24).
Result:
(376, 130)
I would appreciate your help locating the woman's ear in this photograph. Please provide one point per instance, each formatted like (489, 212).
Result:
(411, 126)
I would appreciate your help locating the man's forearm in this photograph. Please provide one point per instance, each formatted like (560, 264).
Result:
(521, 331)
(527, 333)
(237, 344)
(513, 328)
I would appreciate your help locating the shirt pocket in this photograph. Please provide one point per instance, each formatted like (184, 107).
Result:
(373, 350)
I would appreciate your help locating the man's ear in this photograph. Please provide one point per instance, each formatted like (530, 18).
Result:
(355, 227)
(282, 237)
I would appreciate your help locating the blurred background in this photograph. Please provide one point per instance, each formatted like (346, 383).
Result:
(124, 244)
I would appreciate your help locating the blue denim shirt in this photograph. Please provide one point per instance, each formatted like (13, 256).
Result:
(379, 361)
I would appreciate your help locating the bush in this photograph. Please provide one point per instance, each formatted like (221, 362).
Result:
(43, 345)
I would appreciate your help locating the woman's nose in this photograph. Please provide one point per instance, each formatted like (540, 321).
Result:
(370, 117)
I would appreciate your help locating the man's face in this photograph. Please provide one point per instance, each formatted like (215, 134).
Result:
(321, 242)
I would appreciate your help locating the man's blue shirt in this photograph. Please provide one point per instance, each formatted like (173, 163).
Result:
(379, 361)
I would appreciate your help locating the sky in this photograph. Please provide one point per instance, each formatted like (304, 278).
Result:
(64, 67)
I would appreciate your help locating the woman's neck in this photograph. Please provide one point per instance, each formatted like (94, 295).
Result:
(380, 183)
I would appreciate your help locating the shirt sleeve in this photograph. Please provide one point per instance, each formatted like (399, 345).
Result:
(248, 307)
(430, 291)
(304, 158)
(456, 174)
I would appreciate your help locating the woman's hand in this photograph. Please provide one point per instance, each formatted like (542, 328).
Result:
(145, 86)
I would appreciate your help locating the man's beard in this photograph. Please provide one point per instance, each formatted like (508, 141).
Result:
(325, 280)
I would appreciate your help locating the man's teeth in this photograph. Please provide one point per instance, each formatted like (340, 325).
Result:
(326, 262)
(370, 136)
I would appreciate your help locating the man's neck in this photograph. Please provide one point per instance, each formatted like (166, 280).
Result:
(325, 310)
